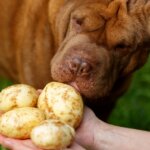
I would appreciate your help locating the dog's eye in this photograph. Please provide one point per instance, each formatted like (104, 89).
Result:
(122, 49)
(78, 22)
(86, 24)
(121, 46)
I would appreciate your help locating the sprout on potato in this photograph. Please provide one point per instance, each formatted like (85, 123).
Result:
(18, 123)
(19, 95)
(52, 134)
(63, 102)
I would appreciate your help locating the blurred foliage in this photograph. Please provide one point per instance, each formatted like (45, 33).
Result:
(2, 148)
(4, 83)
(133, 109)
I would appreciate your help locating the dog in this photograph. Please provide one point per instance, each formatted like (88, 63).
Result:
(93, 45)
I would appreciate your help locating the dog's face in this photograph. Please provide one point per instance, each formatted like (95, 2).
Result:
(99, 42)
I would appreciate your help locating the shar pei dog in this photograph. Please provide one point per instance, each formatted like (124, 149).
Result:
(93, 45)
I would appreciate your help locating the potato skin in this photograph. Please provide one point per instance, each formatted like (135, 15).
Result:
(63, 102)
(19, 95)
(19, 122)
(52, 134)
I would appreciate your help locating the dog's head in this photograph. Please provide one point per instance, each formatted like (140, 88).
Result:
(99, 42)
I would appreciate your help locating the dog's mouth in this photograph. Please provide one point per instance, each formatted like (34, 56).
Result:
(85, 66)
(74, 85)
(92, 84)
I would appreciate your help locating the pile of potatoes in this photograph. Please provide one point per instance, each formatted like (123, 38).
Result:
(49, 119)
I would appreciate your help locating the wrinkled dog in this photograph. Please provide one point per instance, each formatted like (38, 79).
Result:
(94, 45)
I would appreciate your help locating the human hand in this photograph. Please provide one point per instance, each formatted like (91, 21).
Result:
(1, 113)
(15, 144)
(86, 134)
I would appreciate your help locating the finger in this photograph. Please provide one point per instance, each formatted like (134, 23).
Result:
(1, 112)
(39, 91)
(1, 139)
(75, 146)
(19, 144)
(4, 142)
(30, 144)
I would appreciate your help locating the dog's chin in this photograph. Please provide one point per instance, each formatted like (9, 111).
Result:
(89, 94)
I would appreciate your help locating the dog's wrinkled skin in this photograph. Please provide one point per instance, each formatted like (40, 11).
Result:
(94, 45)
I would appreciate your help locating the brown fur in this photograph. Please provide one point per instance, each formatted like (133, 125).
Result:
(40, 38)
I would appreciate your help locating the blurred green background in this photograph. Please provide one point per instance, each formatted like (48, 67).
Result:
(133, 109)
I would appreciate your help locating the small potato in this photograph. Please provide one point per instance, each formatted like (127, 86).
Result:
(19, 95)
(52, 134)
(63, 102)
(18, 123)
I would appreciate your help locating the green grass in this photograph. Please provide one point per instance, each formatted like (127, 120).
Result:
(2, 148)
(133, 109)
(4, 83)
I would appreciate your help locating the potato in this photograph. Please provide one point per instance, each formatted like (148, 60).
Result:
(63, 102)
(52, 134)
(18, 123)
(19, 95)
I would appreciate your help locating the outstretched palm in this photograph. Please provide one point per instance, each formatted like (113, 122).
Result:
(83, 140)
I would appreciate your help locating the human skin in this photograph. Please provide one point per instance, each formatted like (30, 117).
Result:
(94, 134)
(103, 136)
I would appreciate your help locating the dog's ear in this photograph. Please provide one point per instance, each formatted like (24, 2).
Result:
(146, 13)
(138, 59)
(139, 11)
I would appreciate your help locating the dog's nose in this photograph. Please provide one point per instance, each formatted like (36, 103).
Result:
(79, 67)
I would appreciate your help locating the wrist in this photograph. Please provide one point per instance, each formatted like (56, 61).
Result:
(102, 135)
(93, 137)
(91, 132)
